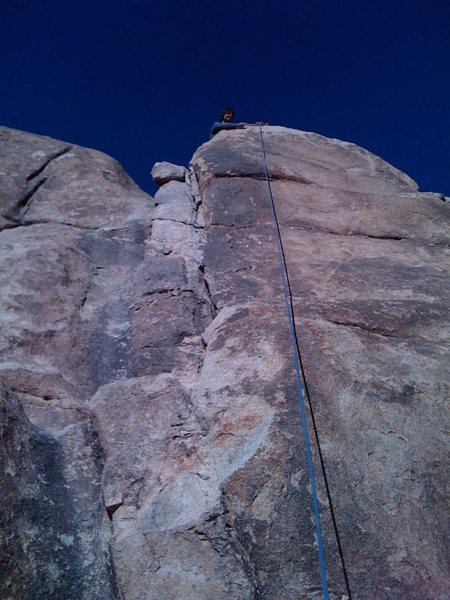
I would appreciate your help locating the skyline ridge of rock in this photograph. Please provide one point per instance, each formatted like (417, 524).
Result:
(150, 441)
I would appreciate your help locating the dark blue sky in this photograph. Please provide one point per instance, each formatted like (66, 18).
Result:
(142, 80)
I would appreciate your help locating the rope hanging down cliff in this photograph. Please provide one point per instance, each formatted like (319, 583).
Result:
(302, 392)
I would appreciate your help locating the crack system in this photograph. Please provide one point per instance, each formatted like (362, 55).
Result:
(52, 157)
(24, 203)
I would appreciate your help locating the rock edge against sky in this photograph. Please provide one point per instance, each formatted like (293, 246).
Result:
(150, 438)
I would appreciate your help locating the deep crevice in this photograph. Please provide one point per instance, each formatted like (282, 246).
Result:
(24, 203)
(84, 298)
(112, 509)
(164, 291)
(208, 292)
(48, 161)
(378, 237)
(239, 550)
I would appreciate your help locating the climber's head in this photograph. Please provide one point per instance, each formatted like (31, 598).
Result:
(227, 115)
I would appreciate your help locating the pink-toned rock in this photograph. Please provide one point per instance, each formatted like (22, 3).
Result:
(368, 262)
(163, 172)
(149, 343)
(47, 181)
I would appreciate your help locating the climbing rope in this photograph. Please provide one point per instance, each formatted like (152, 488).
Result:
(302, 392)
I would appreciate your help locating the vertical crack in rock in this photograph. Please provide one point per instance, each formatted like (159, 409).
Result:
(215, 309)
(154, 521)
(199, 222)
(54, 305)
(242, 554)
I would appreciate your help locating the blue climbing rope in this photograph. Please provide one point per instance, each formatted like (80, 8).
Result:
(299, 378)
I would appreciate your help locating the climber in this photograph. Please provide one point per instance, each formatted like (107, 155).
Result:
(226, 122)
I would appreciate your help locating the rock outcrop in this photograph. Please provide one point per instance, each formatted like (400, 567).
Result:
(163, 172)
(151, 441)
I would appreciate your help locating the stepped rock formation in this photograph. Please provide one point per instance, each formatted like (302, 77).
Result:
(151, 447)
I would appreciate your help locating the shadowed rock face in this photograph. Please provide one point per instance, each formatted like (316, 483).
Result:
(148, 344)
(53, 527)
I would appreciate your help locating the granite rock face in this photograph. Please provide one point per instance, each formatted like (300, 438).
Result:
(158, 453)
(54, 541)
